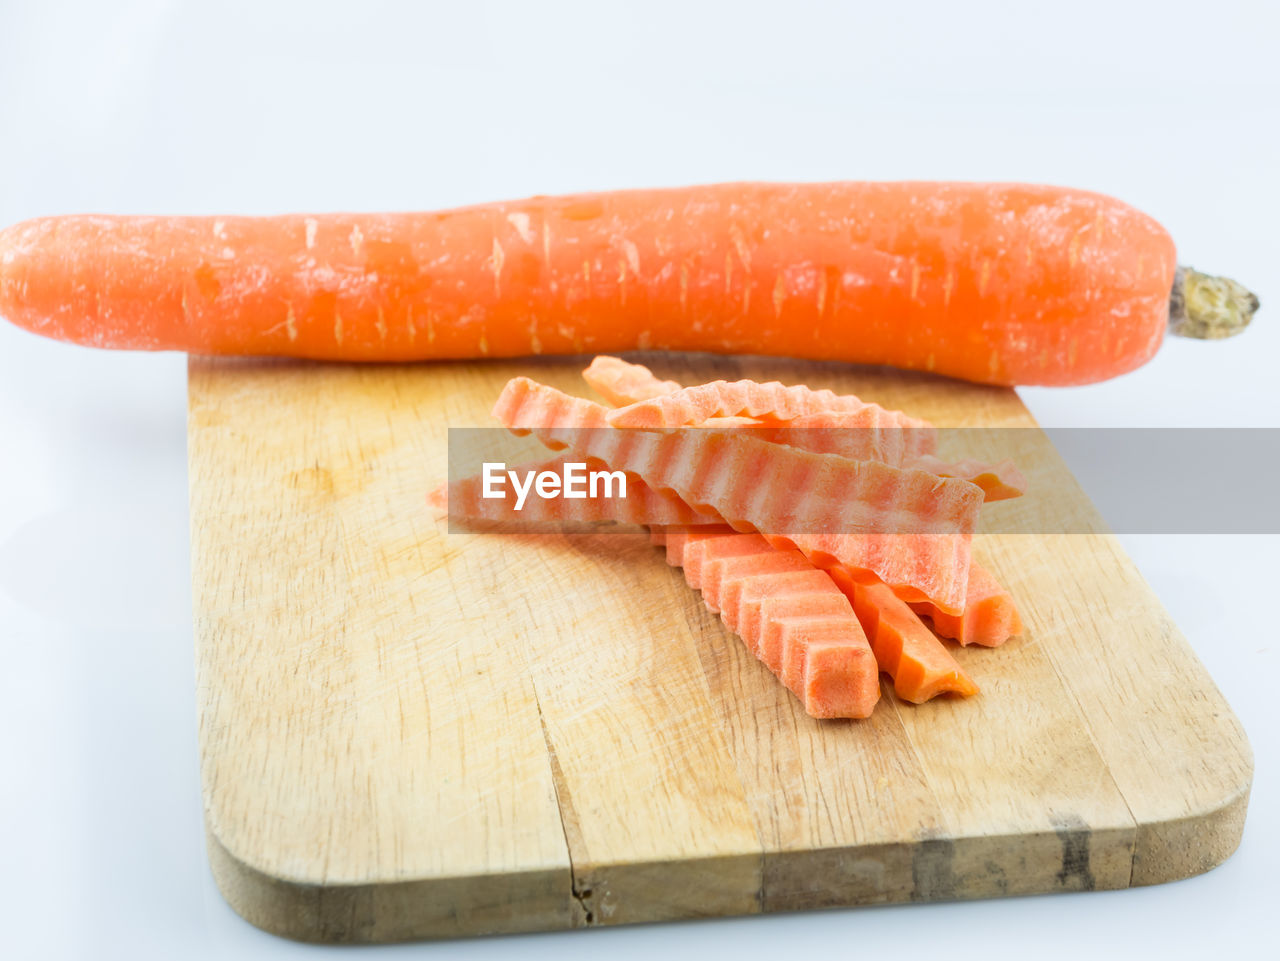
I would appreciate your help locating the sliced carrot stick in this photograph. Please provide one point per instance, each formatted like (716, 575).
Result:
(464, 500)
(866, 434)
(777, 612)
(858, 437)
(724, 578)
(814, 647)
(910, 528)
(771, 401)
(678, 542)
(863, 432)
(829, 660)
(526, 405)
(707, 579)
(990, 616)
(622, 383)
(738, 575)
(920, 666)
(998, 482)
(844, 681)
(763, 598)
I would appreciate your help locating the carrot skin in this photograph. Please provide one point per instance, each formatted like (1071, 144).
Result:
(902, 273)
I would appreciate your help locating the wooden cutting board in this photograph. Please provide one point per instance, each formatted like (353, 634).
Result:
(407, 733)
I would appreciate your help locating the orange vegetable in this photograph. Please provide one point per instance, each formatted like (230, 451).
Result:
(823, 656)
(920, 666)
(910, 528)
(990, 616)
(1000, 283)
(622, 383)
(818, 421)
(998, 482)
(769, 402)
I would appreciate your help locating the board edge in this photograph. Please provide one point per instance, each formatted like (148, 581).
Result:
(1179, 848)
(385, 912)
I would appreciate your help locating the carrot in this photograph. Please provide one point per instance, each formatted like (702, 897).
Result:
(920, 666)
(990, 616)
(860, 435)
(622, 383)
(829, 424)
(910, 528)
(771, 402)
(755, 589)
(999, 283)
(853, 435)
(776, 612)
(762, 601)
(826, 660)
(999, 482)
(819, 661)
(676, 542)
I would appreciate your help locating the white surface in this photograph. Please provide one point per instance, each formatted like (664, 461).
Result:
(161, 107)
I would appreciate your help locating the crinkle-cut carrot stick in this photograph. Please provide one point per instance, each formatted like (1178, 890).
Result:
(868, 432)
(776, 612)
(829, 660)
(526, 405)
(622, 383)
(464, 500)
(772, 401)
(910, 528)
(677, 539)
(754, 586)
(920, 666)
(734, 544)
(880, 436)
(741, 574)
(767, 597)
(990, 616)
(853, 436)
(865, 434)
(998, 481)
(723, 577)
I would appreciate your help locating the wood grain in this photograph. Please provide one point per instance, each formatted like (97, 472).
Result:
(409, 733)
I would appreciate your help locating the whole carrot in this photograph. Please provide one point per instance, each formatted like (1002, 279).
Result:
(1000, 283)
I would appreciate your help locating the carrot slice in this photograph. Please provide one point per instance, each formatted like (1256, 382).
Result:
(828, 662)
(861, 435)
(748, 398)
(680, 540)
(777, 611)
(464, 499)
(865, 432)
(622, 383)
(844, 681)
(990, 616)
(869, 433)
(910, 528)
(998, 482)
(920, 666)
(724, 578)
(758, 593)
(701, 554)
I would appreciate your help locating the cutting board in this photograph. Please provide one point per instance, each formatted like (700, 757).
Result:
(409, 733)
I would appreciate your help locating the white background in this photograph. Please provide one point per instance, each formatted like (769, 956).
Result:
(253, 108)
